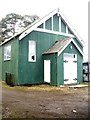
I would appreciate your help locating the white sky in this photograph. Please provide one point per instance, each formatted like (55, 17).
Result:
(76, 11)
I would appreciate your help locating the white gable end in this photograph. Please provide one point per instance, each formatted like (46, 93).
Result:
(71, 40)
(47, 24)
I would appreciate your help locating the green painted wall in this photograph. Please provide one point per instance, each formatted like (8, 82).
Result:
(0, 62)
(60, 65)
(63, 26)
(57, 65)
(79, 70)
(41, 26)
(56, 23)
(25, 72)
(30, 72)
(48, 24)
(80, 46)
(60, 69)
(11, 66)
(53, 67)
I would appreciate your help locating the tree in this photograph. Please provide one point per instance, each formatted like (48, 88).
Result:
(13, 23)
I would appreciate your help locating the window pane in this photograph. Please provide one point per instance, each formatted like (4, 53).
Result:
(7, 52)
(32, 51)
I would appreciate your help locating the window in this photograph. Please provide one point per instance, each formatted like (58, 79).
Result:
(32, 51)
(7, 52)
(85, 68)
(68, 55)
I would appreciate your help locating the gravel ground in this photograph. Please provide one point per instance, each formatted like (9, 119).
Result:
(44, 101)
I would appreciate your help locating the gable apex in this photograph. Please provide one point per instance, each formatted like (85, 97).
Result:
(70, 26)
(42, 20)
(37, 23)
(68, 42)
(34, 26)
(60, 45)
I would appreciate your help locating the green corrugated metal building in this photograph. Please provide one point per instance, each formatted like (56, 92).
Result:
(49, 50)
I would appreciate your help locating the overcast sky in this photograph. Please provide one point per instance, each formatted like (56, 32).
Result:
(76, 11)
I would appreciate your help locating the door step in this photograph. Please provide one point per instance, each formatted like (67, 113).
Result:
(77, 86)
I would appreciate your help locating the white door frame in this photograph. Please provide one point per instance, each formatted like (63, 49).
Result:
(47, 71)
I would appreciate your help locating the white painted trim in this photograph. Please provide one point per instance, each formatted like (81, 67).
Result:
(66, 29)
(36, 24)
(68, 44)
(44, 25)
(63, 48)
(59, 24)
(47, 71)
(54, 32)
(40, 21)
(52, 23)
(77, 46)
(29, 51)
(71, 27)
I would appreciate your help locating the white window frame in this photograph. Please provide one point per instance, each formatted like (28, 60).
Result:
(7, 53)
(32, 51)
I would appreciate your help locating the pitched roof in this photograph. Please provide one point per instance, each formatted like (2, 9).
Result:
(38, 22)
(42, 20)
(60, 45)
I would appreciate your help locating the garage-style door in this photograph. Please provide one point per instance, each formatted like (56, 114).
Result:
(70, 68)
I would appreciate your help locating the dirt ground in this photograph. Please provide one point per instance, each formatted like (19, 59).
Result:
(44, 101)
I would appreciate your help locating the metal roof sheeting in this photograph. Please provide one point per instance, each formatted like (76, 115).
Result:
(58, 46)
